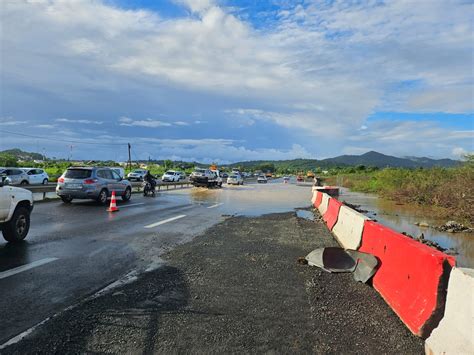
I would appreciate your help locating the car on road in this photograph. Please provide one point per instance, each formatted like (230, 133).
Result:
(137, 175)
(235, 179)
(262, 179)
(286, 179)
(14, 176)
(205, 178)
(182, 175)
(95, 183)
(16, 205)
(224, 175)
(36, 176)
(171, 176)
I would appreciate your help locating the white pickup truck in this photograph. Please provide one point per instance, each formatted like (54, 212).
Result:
(16, 205)
(205, 178)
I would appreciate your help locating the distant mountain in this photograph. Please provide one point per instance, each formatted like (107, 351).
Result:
(21, 155)
(371, 158)
(381, 160)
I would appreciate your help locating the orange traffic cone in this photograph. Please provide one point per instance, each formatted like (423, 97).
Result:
(113, 204)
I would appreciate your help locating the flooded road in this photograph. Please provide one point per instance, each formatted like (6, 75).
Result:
(253, 199)
(402, 218)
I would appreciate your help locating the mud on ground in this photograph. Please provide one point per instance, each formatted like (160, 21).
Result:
(236, 288)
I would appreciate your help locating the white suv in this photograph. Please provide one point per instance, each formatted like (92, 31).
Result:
(16, 205)
(171, 176)
(36, 176)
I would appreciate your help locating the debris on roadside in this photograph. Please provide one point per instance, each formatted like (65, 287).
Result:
(335, 260)
(355, 207)
(422, 224)
(421, 239)
(302, 260)
(454, 227)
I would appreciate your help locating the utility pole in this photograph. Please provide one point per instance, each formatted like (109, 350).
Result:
(129, 157)
(70, 152)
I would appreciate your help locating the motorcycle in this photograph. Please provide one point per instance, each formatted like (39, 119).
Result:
(148, 189)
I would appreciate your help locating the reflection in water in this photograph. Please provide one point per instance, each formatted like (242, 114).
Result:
(254, 199)
(402, 218)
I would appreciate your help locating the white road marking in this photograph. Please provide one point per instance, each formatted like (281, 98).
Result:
(97, 251)
(26, 267)
(131, 205)
(20, 336)
(165, 221)
(216, 205)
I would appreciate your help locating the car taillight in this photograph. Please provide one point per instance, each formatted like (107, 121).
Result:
(90, 181)
(61, 180)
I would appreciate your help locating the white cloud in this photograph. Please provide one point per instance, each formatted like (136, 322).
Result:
(410, 138)
(10, 121)
(46, 126)
(126, 121)
(181, 123)
(197, 5)
(319, 70)
(67, 120)
(460, 152)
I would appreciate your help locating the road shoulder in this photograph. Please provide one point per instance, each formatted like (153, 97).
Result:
(236, 288)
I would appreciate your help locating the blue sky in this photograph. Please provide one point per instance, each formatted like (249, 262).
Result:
(233, 80)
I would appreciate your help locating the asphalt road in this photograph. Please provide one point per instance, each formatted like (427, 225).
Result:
(74, 251)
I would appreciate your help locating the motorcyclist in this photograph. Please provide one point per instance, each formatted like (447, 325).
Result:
(150, 179)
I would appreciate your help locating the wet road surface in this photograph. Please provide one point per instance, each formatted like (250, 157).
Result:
(73, 251)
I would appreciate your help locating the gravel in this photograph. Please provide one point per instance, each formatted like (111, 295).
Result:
(238, 288)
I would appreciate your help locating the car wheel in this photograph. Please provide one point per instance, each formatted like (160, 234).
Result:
(127, 194)
(24, 182)
(102, 198)
(17, 228)
(66, 199)
(45, 182)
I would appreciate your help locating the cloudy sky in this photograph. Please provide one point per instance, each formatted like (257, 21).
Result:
(231, 80)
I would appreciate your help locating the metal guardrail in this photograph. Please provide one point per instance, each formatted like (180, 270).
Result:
(136, 187)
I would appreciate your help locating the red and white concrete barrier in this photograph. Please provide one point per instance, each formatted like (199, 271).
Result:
(332, 212)
(455, 333)
(323, 206)
(349, 227)
(412, 277)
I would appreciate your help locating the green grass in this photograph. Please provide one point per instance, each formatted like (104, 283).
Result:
(449, 188)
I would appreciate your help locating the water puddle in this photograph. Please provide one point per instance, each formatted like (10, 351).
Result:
(403, 218)
(308, 215)
(252, 199)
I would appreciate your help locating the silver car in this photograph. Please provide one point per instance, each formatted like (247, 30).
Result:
(95, 183)
(36, 176)
(235, 179)
(14, 176)
(137, 175)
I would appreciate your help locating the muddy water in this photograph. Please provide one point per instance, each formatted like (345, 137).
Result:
(403, 218)
(253, 199)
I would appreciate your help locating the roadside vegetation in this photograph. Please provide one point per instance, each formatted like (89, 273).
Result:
(451, 190)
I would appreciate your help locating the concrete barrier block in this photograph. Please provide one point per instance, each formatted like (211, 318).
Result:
(324, 203)
(455, 333)
(349, 227)
(318, 200)
(313, 199)
(412, 277)
(332, 212)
